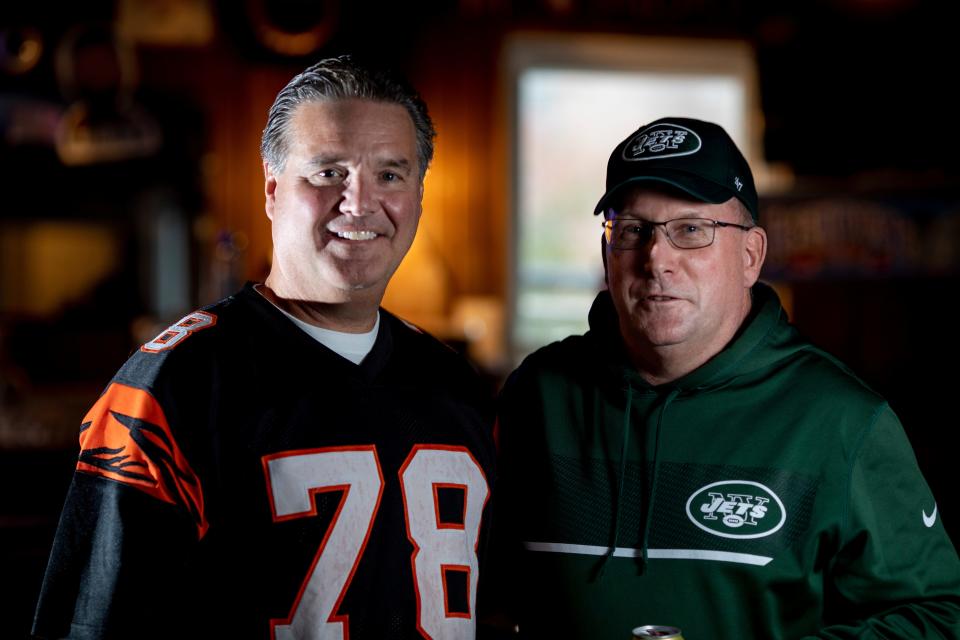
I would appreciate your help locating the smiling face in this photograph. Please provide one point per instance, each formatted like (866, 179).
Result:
(345, 207)
(679, 307)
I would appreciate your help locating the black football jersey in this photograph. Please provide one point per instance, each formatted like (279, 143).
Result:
(238, 479)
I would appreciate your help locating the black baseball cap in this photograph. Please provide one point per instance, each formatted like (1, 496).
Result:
(694, 156)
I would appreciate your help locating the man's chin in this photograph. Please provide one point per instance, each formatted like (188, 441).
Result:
(359, 284)
(663, 334)
(353, 277)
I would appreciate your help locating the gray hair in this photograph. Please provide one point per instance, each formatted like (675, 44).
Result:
(342, 78)
(746, 218)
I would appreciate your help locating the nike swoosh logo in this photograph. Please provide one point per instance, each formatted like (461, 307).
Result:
(928, 520)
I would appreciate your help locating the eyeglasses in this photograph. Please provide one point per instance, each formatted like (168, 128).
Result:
(683, 233)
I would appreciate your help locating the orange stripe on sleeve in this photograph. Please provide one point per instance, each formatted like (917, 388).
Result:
(125, 437)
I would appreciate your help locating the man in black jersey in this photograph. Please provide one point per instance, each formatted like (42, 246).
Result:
(292, 461)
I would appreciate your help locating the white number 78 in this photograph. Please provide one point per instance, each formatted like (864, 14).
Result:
(294, 477)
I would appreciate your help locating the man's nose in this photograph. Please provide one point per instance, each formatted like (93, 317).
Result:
(659, 252)
(358, 197)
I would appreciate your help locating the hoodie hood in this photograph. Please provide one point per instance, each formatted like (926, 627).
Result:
(765, 326)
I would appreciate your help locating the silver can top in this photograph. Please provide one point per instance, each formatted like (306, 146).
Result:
(657, 631)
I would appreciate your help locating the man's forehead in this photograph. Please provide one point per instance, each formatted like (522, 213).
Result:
(324, 130)
(385, 159)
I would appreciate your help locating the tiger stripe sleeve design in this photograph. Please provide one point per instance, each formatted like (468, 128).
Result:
(125, 437)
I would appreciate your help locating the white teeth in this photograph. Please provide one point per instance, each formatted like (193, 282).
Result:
(357, 235)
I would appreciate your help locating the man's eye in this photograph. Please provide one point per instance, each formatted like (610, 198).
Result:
(390, 176)
(633, 229)
(327, 174)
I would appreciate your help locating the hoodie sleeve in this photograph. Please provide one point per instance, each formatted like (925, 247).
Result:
(897, 574)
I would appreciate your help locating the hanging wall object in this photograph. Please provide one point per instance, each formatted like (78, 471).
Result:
(97, 74)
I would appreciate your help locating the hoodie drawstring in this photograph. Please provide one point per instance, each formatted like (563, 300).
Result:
(618, 499)
(648, 516)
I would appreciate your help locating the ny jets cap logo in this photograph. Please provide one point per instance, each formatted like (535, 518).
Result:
(737, 509)
(663, 140)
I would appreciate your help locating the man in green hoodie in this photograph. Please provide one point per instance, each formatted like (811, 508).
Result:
(691, 461)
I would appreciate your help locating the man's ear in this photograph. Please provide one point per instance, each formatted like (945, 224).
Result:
(269, 188)
(754, 253)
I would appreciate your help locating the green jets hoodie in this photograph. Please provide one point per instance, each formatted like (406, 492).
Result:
(768, 494)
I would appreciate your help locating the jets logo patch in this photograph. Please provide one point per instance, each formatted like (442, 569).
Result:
(125, 437)
(663, 140)
(737, 509)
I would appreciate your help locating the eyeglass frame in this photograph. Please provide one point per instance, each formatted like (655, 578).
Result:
(608, 230)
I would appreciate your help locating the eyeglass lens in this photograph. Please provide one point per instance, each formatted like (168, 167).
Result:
(686, 233)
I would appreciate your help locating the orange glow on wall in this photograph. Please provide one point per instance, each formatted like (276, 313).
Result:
(44, 266)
